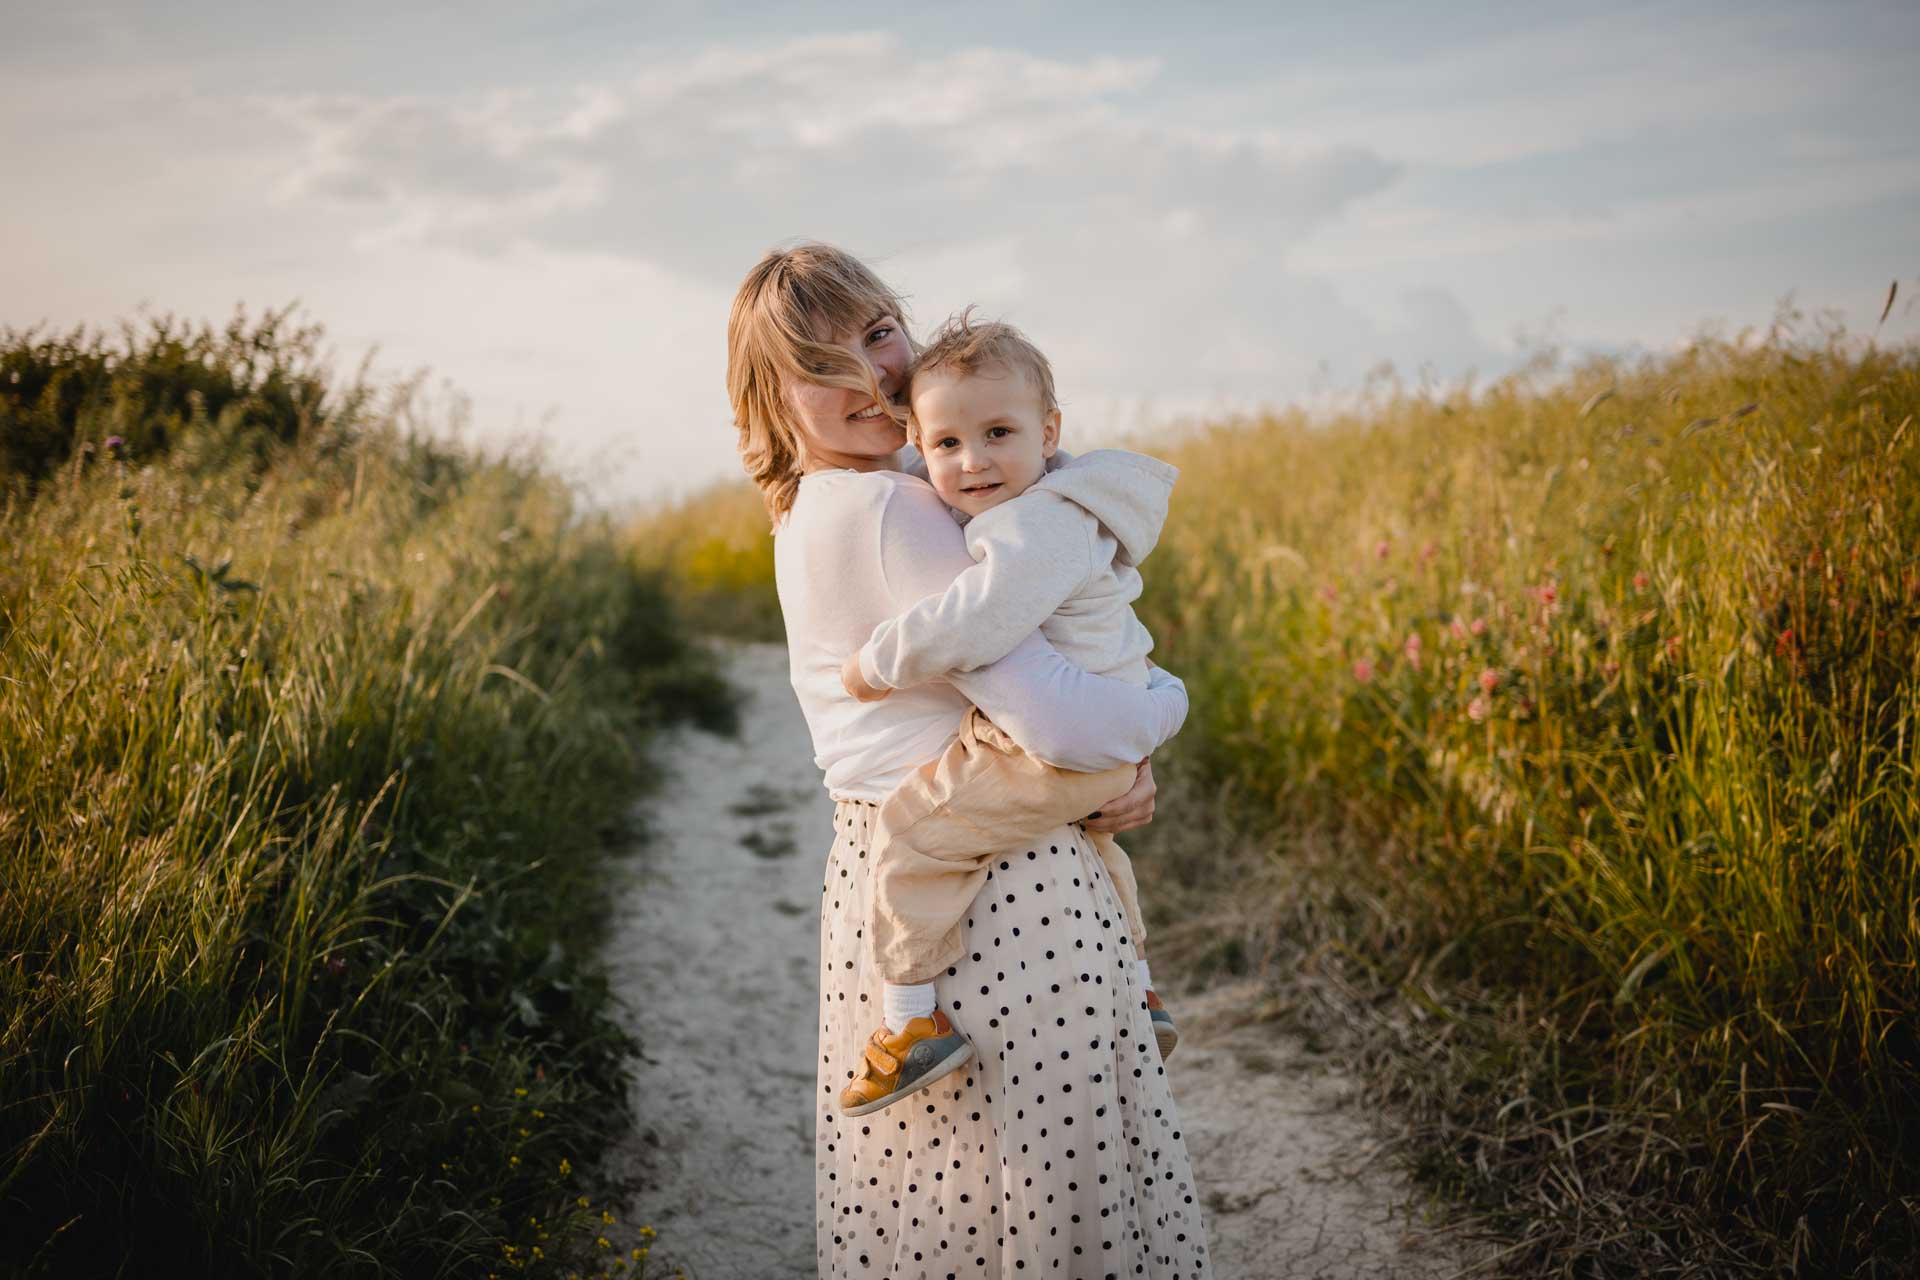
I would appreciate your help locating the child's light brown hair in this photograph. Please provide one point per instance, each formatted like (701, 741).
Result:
(770, 342)
(968, 346)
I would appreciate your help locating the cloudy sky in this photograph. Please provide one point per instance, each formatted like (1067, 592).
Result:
(1190, 207)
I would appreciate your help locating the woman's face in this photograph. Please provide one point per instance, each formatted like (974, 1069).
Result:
(841, 428)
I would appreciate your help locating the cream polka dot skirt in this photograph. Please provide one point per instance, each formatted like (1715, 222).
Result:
(1057, 1151)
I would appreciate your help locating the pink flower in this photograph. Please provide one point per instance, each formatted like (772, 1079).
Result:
(1641, 581)
(114, 442)
(1479, 709)
(1363, 671)
(1546, 594)
(1383, 550)
(1429, 551)
(1478, 626)
(1489, 680)
(1330, 593)
(1458, 629)
(1412, 649)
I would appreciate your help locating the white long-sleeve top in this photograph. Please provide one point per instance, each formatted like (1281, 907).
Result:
(1061, 558)
(859, 547)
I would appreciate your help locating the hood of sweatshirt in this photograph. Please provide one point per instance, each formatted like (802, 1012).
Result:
(1125, 491)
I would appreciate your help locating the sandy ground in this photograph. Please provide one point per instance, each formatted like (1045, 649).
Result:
(716, 949)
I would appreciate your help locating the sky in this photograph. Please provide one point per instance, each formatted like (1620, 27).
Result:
(1193, 209)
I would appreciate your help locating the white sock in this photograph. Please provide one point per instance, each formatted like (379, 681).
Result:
(900, 1005)
(1146, 975)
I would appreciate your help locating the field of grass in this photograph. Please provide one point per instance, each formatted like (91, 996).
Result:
(314, 736)
(1571, 725)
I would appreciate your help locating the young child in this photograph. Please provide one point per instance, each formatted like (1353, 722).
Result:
(1053, 550)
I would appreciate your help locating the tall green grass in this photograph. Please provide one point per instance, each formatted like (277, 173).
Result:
(1579, 714)
(714, 551)
(312, 736)
(1608, 692)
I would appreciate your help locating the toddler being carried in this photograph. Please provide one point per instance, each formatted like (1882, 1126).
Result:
(1055, 550)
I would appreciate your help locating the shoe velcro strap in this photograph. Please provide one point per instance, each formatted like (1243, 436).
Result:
(882, 1061)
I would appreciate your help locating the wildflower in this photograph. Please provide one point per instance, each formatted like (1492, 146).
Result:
(1412, 649)
(1783, 644)
(114, 442)
(1383, 550)
(602, 1242)
(538, 1114)
(1330, 593)
(1641, 581)
(566, 1167)
(583, 1202)
(519, 1093)
(1363, 671)
(513, 1161)
(648, 1233)
(1673, 648)
(539, 1073)
(1546, 594)
(1479, 709)
(1458, 630)
(606, 1217)
(1489, 680)
(1478, 626)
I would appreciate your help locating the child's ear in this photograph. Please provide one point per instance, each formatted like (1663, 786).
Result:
(1050, 434)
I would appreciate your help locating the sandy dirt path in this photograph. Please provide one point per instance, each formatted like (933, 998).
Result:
(716, 949)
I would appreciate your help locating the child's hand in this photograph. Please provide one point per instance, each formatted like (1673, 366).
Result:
(856, 683)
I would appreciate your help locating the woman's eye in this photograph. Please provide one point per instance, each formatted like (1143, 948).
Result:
(881, 334)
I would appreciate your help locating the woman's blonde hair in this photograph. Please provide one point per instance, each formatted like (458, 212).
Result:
(789, 297)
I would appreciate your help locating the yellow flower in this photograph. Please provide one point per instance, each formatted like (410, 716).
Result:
(525, 1134)
(513, 1160)
(606, 1217)
(566, 1167)
(582, 1201)
(648, 1233)
(538, 1114)
(602, 1242)
(519, 1093)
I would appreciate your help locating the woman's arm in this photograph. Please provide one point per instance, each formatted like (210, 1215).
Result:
(1050, 707)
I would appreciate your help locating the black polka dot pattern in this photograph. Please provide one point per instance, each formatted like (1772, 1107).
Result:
(1057, 1151)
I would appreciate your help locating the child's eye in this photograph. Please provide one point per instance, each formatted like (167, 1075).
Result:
(945, 442)
(994, 433)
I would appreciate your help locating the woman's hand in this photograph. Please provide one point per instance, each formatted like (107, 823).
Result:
(856, 683)
(1134, 809)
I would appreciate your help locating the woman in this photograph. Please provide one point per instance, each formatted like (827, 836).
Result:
(1058, 1150)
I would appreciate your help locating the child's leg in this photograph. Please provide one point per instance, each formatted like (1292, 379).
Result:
(1120, 871)
(935, 836)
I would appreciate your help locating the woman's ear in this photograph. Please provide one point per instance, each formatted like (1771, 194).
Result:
(1050, 434)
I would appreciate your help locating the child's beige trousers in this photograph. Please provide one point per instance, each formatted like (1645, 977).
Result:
(935, 835)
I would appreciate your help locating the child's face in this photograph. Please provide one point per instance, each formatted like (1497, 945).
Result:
(983, 435)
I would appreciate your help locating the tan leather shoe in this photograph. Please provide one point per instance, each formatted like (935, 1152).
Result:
(894, 1066)
(1165, 1034)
